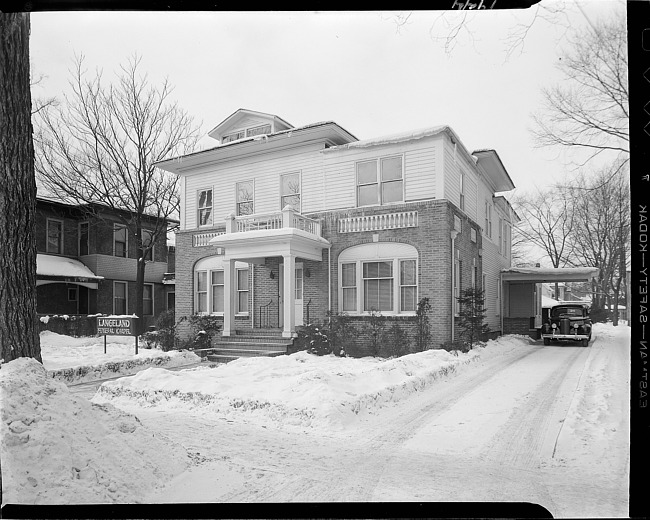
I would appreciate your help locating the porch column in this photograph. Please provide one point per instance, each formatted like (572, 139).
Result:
(289, 290)
(228, 297)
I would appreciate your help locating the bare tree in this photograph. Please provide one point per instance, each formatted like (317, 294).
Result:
(589, 109)
(100, 146)
(547, 221)
(39, 103)
(18, 326)
(602, 229)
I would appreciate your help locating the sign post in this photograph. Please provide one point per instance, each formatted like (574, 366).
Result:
(118, 326)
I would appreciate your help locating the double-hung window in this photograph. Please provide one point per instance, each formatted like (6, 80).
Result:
(349, 287)
(120, 241)
(380, 181)
(201, 303)
(84, 236)
(245, 198)
(216, 281)
(462, 191)
(488, 219)
(290, 191)
(378, 286)
(147, 299)
(55, 236)
(205, 207)
(119, 297)
(242, 290)
(408, 284)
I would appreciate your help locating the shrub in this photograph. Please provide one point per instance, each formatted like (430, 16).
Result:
(341, 332)
(458, 345)
(376, 324)
(204, 329)
(314, 339)
(164, 337)
(423, 329)
(471, 316)
(396, 341)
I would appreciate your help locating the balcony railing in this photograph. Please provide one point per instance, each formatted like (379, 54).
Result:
(404, 219)
(287, 218)
(203, 239)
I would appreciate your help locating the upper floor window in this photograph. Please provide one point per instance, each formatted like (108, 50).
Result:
(147, 242)
(84, 238)
(501, 236)
(245, 197)
(488, 220)
(119, 241)
(462, 191)
(55, 236)
(205, 207)
(380, 181)
(290, 191)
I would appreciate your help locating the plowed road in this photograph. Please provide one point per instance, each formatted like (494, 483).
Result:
(547, 425)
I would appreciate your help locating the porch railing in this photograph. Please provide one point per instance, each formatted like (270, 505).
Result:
(403, 219)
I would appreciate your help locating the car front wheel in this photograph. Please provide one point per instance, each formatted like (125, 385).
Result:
(547, 342)
(585, 342)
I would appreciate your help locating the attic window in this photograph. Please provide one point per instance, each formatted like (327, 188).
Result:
(258, 130)
(233, 137)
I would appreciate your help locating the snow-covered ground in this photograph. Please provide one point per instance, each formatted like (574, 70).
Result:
(76, 360)
(196, 428)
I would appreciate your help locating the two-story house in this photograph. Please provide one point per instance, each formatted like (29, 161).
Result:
(86, 263)
(282, 224)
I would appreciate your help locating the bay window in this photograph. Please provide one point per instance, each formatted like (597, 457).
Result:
(379, 276)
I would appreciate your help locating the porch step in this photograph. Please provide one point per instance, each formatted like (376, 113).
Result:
(249, 343)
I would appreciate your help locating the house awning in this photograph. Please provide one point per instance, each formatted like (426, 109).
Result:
(549, 275)
(60, 269)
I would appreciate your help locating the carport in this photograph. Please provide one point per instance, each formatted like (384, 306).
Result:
(521, 305)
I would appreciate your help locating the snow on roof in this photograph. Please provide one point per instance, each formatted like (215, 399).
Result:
(397, 138)
(51, 265)
(545, 274)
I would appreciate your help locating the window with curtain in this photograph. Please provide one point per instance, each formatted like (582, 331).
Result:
(205, 207)
(377, 286)
(245, 198)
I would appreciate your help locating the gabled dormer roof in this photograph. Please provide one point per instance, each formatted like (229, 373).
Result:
(248, 123)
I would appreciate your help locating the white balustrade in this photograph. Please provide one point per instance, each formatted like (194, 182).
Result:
(203, 239)
(404, 219)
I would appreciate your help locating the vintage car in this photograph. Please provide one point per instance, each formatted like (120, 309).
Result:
(568, 322)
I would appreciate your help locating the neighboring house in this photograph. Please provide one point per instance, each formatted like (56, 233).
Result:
(280, 225)
(87, 264)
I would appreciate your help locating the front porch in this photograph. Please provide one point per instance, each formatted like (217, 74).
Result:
(285, 236)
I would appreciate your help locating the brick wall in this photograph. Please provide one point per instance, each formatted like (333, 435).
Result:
(431, 239)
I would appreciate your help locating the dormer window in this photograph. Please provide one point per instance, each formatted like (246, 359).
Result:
(248, 132)
(258, 130)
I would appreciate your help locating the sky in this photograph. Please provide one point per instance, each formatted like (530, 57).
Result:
(359, 69)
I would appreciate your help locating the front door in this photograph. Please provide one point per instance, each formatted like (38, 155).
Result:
(298, 303)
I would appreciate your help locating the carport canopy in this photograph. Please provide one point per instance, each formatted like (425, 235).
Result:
(549, 275)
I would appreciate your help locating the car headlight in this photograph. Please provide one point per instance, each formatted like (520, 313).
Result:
(554, 325)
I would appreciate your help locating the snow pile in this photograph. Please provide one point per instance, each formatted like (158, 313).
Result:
(83, 359)
(55, 446)
(298, 390)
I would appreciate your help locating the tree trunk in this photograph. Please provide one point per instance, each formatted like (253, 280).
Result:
(18, 326)
(139, 281)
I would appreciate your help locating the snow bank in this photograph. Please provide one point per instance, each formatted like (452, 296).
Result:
(55, 446)
(299, 390)
(82, 359)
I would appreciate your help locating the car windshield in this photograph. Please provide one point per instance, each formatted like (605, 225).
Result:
(571, 311)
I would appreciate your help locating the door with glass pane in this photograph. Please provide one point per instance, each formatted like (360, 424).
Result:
(298, 296)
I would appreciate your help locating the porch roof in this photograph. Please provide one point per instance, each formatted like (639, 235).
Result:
(63, 269)
(549, 275)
